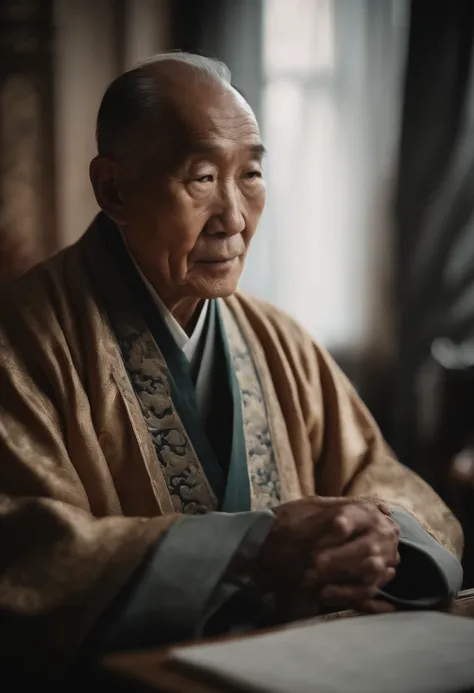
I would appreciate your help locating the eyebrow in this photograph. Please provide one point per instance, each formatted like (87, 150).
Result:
(258, 149)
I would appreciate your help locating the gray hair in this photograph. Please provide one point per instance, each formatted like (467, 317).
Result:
(132, 99)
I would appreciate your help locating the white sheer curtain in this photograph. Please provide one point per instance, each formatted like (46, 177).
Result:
(332, 98)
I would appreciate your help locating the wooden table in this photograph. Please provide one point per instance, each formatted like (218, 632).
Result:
(151, 670)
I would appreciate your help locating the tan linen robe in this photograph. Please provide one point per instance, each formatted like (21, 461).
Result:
(82, 497)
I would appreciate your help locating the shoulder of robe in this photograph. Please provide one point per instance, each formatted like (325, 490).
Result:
(38, 292)
(37, 308)
(286, 328)
(284, 339)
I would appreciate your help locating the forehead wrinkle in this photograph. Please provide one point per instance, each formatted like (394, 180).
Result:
(197, 118)
(216, 138)
(215, 149)
(220, 115)
(212, 137)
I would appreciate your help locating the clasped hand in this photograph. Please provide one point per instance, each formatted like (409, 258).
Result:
(338, 551)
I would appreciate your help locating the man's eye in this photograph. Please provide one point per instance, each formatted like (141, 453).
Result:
(204, 179)
(252, 175)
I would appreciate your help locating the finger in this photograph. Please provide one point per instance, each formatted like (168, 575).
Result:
(370, 565)
(385, 534)
(348, 520)
(385, 578)
(396, 560)
(357, 590)
(389, 536)
(382, 516)
(376, 606)
(376, 570)
(346, 596)
(359, 558)
(311, 580)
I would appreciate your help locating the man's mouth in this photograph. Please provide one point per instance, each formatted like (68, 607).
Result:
(218, 261)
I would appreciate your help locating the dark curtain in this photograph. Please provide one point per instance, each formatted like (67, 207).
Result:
(227, 30)
(434, 207)
(193, 22)
(27, 219)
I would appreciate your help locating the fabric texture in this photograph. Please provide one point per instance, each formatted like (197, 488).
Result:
(428, 574)
(83, 496)
(188, 566)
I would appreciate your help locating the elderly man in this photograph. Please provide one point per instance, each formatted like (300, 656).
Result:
(178, 459)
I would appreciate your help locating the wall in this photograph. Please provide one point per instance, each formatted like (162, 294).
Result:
(95, 40)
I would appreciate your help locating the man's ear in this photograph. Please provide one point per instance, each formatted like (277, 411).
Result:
(104, 177)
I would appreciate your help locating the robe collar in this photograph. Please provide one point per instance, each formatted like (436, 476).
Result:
(188, 343)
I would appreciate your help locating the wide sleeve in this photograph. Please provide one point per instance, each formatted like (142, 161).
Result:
(59, 565)
(352, 459)
(428, 575)
(188, 587)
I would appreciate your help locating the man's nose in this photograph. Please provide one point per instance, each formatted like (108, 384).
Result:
(228, 218)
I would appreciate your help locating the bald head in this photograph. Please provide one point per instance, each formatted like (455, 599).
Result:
(155, 95)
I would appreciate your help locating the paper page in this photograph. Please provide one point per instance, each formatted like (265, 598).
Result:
(416, 652)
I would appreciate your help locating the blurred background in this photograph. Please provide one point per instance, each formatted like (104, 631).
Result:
(367, 112)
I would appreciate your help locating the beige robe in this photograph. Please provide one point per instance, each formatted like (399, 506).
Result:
(82, 498)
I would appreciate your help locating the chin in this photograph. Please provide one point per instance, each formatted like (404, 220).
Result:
(221, 288)
(218, 280)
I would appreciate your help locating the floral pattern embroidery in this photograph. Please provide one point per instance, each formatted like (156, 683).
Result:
(265, 483)
(185, 479)
(184, 476)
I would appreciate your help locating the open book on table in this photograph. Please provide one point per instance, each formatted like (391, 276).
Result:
(411, 652)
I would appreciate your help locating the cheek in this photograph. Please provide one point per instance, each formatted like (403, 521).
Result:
(261, 197)
(255, 204)
(184, 230)
(184, 220)
(170, 224)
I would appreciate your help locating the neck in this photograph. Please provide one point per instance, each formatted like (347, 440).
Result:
(185, 311)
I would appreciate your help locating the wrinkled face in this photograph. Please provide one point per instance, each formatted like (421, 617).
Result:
(190, 213)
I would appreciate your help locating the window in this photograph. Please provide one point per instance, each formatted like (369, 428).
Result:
(331, 103)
